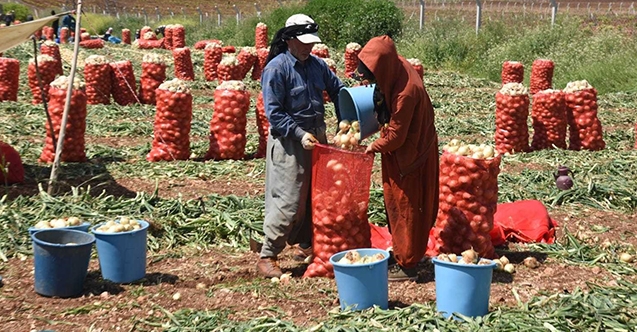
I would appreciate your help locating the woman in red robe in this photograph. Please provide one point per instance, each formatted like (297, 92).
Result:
(408, 145)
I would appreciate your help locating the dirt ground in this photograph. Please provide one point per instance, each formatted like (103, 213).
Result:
(225, 278)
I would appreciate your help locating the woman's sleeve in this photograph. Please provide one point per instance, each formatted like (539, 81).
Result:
(398, 127)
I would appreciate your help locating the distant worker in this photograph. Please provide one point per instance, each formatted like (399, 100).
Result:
(55, 25)
(9, 18)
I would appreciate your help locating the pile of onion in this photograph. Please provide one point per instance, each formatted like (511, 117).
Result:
(348, 136)
(585, 129)
(353, 257)
(124, 224)
(58, 223)
(468, 199)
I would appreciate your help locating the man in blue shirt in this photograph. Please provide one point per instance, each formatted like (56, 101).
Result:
(293, 82)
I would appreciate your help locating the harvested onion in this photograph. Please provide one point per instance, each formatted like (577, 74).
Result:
(354, 257)
(348, 135)
(124, 224)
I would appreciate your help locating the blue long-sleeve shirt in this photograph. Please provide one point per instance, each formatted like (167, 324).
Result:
(293, 93)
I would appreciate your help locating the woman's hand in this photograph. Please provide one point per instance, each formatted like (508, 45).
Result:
(369, 149)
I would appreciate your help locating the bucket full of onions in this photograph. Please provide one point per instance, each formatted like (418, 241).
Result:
(361, 278)
(61, 257)
(357, 104)
(463, 283)
(121, 249)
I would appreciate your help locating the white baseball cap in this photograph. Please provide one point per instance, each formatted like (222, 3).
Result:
(301, 19)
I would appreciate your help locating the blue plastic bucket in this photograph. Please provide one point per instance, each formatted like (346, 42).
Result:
(81, 227)
(462, 288)
(61, 258)
(361, 286)
(122, 256)
(357, 103)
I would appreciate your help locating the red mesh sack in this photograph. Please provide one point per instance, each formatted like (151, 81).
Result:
(178, 36)
(211, 60)
(228, 124)
(11, 167)
(9, 79)
(97, 73)
(126, 39)
(229, 49)
(38, 34)
(511, 113)
(153, 75)
(321, 50)
(64, 35)
(92, 43)
(183, 64)
(200, 45)
(512, 72)
(332, 65)
(261, 35)
(52, 49)
(73, 146)
(228, 69)
(48, 32)
(585, 129)
(525, 221)
(548, 116)
(351, 58)
(247, 57)
(468, 201)
(143, 32)
(149, 44)
(123, 85)
(541, 75)
(262, 56)
(417, 65)
(340, 196)
(263, 127)
(172, 122)
(168, 37)
(47, 66)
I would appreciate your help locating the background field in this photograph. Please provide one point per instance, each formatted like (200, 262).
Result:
(204, 212)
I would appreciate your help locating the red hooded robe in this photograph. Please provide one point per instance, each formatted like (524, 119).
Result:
(409, 151)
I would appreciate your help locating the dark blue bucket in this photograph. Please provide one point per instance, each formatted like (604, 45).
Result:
(361, 286)
(462, 288)
(122, 256)
(357, 103)
(61, 258)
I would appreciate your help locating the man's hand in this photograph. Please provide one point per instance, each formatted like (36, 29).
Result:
(308, 141)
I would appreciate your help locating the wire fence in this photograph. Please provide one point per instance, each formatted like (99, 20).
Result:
(419, 10)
